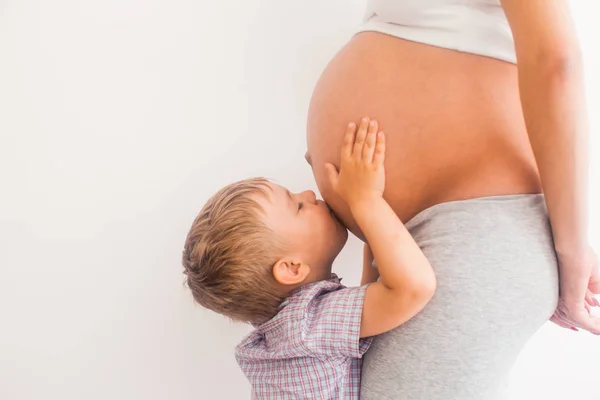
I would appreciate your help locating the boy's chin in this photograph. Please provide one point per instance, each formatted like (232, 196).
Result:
(343, 239)
(344, 233)
(339, 224)
(335, 218)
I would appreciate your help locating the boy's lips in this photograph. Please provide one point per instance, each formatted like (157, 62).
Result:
(330, 210)
(333, 215)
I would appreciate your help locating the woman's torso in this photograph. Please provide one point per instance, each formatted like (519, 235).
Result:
(453, 122)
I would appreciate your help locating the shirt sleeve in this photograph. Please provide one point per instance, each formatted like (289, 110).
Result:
(331, 325)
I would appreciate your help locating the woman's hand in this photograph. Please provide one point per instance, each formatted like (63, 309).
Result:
(594, 285)
(577, 292)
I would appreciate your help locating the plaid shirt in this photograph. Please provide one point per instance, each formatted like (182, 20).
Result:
(311, 349)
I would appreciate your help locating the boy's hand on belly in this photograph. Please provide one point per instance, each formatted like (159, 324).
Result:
(361, 176)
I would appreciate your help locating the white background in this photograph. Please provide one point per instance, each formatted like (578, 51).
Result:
(118, 118)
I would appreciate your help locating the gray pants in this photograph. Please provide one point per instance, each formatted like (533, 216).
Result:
(497, 284)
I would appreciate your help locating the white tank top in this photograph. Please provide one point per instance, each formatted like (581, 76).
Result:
(472, 26)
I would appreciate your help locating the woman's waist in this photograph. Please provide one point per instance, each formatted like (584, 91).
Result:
(431, 163)
(429, 167)
(417, 188)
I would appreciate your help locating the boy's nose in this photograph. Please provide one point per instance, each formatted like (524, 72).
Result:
(309, 196)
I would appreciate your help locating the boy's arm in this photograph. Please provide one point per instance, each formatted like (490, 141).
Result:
(369, 273)
(407, 280)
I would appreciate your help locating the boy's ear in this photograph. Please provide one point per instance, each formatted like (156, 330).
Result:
(290, 272)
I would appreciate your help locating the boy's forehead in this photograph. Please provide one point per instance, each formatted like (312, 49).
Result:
(275, 189)
(276, 195)
(275, 204)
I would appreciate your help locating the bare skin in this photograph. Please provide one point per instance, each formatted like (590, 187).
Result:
(453, 123)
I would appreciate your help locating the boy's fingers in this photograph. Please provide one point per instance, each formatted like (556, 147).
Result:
(369, 147)
(361, 135)
(379, 154)
(332, 174)
(349, 140)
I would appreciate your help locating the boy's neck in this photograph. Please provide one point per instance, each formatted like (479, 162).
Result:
(306, 282)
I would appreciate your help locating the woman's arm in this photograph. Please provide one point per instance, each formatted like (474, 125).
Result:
(369, 274)
(552, 96)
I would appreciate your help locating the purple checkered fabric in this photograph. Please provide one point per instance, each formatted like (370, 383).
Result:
(311, 349)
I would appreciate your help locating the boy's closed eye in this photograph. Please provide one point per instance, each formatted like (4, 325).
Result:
(300, 204)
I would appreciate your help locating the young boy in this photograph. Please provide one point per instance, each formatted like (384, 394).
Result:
(260, 254)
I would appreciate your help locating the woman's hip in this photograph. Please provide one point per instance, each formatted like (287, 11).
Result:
(497, 285)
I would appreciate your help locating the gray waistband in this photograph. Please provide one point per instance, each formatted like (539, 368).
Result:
(517, 202)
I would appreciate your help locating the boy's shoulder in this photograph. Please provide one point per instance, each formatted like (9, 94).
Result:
(307, 318)
(305, 348)
(305, 294)
(304, 299)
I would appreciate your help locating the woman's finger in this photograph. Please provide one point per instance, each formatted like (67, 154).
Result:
(591, 299)
(581, 318)
(589, 323)
(558, 321)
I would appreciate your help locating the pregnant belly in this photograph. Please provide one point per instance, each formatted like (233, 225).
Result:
(453, 123)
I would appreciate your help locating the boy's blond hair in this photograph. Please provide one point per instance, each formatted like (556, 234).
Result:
(229, 254)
